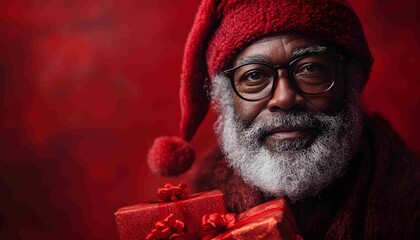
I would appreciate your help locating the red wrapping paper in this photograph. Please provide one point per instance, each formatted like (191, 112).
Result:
(270, 220)
(135, 222)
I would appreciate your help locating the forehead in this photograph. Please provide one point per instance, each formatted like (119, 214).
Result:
(278, 48)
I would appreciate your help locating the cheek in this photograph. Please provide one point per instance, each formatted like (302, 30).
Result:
(246, 110)
(336, 98)
(329, 102)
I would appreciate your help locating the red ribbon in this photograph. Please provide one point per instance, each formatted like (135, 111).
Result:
(212, 226)
(215, 223)
(169, 228)
(171, 193)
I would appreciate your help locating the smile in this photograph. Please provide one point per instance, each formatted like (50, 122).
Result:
(288, 138)
(290, 133)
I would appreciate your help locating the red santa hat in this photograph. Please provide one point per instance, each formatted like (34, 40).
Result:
(221, 29)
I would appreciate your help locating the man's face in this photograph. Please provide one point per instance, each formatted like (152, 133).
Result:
(280, 50)
(288, 143)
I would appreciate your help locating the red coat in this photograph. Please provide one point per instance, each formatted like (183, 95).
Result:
(377, 198)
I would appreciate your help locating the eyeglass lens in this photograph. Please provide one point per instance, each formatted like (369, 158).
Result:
(311, 75)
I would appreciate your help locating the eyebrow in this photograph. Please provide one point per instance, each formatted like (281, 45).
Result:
(296, 53)
(252, 59)
(308, 50)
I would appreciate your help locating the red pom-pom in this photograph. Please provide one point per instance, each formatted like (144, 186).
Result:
(170, 156)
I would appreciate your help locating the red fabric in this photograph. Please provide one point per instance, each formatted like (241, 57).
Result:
(241, 23)
(170, 156)
(193, 98)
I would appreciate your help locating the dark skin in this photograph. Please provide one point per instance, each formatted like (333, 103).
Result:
(278, 50)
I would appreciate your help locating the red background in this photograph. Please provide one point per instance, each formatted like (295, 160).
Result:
(87, 85)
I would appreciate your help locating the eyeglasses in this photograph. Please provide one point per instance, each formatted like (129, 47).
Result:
(310, 74)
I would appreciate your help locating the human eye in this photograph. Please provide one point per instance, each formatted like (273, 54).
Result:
(313, 74)
(311, 68)
(253, 78)
(253, 74)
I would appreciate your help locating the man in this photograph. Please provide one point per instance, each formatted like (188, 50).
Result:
(285, 78)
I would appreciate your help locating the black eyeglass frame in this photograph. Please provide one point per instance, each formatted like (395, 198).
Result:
(231, 72)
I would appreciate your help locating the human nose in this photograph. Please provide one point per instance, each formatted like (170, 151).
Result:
(285, 95)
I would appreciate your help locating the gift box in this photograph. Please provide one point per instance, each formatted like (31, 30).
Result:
(271, 220)
(136, 222)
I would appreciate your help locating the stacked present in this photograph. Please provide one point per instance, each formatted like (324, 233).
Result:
(180, 215)
(270, 220)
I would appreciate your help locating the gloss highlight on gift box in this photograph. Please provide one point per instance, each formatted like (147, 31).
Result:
(270, 220)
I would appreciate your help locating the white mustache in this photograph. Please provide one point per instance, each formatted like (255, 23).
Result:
(281, 121)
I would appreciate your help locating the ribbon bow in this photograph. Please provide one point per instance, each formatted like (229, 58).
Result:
(213, 224)
(171, 193)
(169, 228)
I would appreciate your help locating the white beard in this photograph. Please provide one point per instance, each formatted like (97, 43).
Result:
(294, 168)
